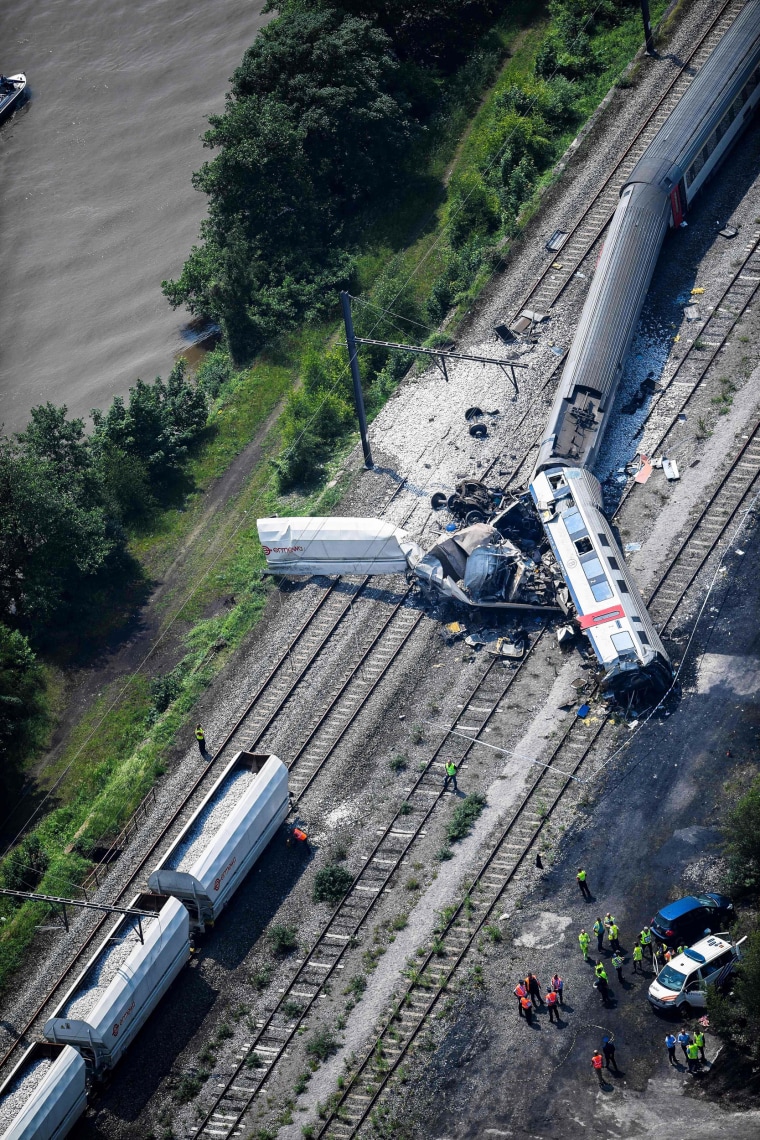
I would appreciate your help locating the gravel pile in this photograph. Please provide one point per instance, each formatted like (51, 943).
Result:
(22, 1089)
(100, 976)
(210, 820)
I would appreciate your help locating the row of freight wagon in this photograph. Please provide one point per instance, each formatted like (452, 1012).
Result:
(137, 962)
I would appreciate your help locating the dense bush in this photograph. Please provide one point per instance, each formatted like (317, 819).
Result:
(25, 866)
(331, 883)
(743, 844)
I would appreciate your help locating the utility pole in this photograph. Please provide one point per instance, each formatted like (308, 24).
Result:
(648, 37)
(345, 300)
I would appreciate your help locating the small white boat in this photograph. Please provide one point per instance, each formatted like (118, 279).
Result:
(12, 88)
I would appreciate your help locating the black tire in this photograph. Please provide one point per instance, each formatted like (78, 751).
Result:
(438, 500)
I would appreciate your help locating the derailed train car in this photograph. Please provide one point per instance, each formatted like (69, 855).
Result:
(685, 152)
(44, 1095)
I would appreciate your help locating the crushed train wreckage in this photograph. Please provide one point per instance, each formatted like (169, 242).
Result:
(500, 558)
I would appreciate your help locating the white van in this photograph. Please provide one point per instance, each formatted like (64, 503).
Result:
(684, 980)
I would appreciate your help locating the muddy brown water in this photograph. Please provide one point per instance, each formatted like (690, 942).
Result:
(96, 203)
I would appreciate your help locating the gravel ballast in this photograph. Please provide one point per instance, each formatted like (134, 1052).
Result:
(22, 1089)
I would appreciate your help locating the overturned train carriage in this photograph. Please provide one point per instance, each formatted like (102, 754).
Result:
(44, 1095)
(609, 608)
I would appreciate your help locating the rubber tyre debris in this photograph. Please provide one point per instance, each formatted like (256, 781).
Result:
(479, 431)
(473, 414)
(438, 500)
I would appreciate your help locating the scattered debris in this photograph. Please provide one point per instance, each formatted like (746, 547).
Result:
(565, 635)
(697, 291)
(583, 711)
(504, 333)
(557, 265)
(670, 467)
(456, 629)
(691, 312)
(740, 552)
(645, 470)
(632, 547)
(728, 232)
(682, 418)
(556, 241)
(558, 350)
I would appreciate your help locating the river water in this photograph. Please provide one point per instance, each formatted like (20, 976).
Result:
(96, 204)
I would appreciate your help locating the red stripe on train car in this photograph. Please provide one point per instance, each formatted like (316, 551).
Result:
(587, 620)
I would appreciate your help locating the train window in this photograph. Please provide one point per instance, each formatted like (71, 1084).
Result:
(583, 545)
(622, 641)
(592, 568)
(643, 637)
(573, 521)
(557, 481)
(601, 591)
(622, 586)
(613, 562)
(603, 539)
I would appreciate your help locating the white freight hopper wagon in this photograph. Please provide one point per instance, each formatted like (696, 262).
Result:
(123, 982)
(225, 836)
(44, 1095)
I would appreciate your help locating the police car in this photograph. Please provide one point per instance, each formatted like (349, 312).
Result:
(683, 981)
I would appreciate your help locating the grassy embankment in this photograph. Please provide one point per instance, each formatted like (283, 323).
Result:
(117, 751)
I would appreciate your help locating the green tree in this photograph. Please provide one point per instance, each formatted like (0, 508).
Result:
(54, 539)
(314, 126)
(156, 426)
(22, 686)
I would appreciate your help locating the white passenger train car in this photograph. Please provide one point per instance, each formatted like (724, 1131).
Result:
(225, 836)
(123, 983)
(610, 610)
(44, 1095)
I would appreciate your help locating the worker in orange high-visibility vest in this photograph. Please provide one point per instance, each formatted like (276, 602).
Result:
(597, 1062)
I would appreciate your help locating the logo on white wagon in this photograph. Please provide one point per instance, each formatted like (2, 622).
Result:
(218, 882)
(282, 550)
(124, 1016)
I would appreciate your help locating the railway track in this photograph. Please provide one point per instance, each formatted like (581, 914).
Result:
(456, 936)
(378, 650)
(694, 366)
(275, 1032)
(734, 491)
(551, 283)
(361, 1094)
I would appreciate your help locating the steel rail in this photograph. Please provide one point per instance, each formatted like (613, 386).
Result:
(308, 983)
(748, 457)
(351, 1109)
(461, 939)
